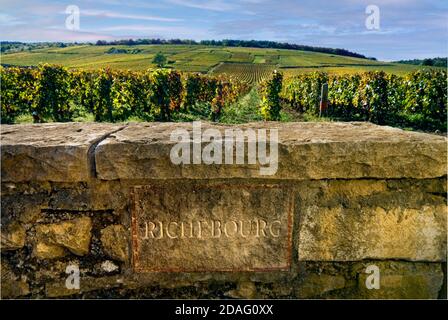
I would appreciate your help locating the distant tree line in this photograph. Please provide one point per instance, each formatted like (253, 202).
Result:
(236, 43)
(114, 50)
(16, 46)
(435, 62)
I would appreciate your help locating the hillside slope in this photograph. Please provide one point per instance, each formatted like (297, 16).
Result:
(204, 59)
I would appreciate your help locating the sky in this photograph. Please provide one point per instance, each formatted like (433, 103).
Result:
(406, 29)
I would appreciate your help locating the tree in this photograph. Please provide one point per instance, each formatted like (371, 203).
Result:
(159, 60)
(428, 62)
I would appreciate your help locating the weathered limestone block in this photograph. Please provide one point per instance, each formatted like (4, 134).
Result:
(244, 290)
(354, 188)
(400, 280)
(12, 286)
(115, 241)
(306, 151)
(13, 237)
(231, 227)
(23, 208)
(315, 285)
(49, 152)
(339, 234)
(355, 194)
(53, 239)
(94, 195)
(54, 270)
(59, 152)
(48, 251)
(87, 284)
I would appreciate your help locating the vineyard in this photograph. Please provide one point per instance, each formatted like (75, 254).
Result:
(198, 58)
(417, 100)
(54, 93)
(246, 72)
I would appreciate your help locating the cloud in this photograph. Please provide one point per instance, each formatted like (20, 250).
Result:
(52, 34)
(213, 5)
(168, 32)
(109, 14)
(408, 27)
(9, 20)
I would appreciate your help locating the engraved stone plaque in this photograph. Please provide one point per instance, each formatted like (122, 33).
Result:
(190, 227)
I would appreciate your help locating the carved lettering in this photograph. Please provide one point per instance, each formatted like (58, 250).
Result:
(213, 229)
(193, 227)
(216, 226)
(168, 233)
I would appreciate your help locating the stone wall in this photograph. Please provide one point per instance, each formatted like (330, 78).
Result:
(107, 199)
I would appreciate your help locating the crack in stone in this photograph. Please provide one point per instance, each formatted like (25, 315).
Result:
(92, 150)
